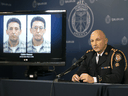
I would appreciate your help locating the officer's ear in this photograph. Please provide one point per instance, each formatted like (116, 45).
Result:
(106, 40)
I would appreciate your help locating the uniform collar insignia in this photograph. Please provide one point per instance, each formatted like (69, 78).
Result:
(106, 53)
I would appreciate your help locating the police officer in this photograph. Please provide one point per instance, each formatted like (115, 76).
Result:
(104, 64)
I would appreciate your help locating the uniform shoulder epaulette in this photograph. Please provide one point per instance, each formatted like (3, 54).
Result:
(114, 51)
(89, 51)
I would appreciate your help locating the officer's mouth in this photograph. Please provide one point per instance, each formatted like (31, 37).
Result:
(95, 47)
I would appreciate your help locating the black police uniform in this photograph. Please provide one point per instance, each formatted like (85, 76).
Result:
(110, 68)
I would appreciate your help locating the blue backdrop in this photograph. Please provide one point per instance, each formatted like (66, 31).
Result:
(83, 17)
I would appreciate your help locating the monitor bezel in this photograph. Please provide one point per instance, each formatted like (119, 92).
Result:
(52, 61)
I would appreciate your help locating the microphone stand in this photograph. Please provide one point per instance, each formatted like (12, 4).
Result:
(75, 65)
(67, 71)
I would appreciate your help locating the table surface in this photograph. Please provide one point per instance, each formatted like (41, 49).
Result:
(51, 88)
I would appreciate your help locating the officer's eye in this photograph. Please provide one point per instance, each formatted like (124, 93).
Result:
(98, 39)
(91, 40)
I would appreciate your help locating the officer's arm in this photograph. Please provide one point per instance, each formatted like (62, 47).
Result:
(117, 70)
(83, 68)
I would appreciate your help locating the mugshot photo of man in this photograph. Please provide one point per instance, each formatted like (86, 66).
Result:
(38, 44)
(13, 31)
(103, 63)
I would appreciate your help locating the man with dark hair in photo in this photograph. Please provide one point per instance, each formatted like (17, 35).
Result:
(103, 64)
(14, 44)
(38, 44)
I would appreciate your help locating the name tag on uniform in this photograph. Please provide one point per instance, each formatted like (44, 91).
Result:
(107, 67)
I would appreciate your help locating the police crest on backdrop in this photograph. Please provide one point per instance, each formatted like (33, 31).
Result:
(61, 2)
(108, 19)
(35, 3)
(81, 19)
(124, 40)
(92, 1)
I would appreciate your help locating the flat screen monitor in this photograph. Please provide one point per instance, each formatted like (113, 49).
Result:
(33, 38)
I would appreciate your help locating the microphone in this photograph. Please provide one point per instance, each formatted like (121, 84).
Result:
(76, 64)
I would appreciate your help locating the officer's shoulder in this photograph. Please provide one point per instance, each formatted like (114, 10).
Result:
(89, 51)
(117, 51)
(117, 54)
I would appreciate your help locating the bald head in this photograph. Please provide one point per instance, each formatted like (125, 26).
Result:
(98, 41)
(99, 33)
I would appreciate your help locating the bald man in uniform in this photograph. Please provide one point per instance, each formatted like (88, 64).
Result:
(104, 64)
